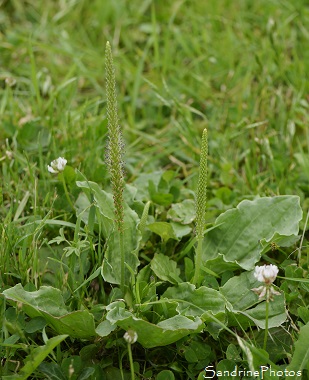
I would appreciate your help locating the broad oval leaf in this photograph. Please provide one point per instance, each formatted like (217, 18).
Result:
(47, 302)
(202, 302)
(236, 240)
(163, 229)
(165, 268)
(150, 335)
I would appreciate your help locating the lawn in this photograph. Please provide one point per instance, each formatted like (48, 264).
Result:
(115, 118)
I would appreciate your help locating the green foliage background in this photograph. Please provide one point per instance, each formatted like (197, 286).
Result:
(239, 68)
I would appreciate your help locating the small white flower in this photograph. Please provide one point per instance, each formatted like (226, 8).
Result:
(57, 165)
(130, 336)
(266, 273)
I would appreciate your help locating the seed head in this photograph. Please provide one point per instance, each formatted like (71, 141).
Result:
(115, 142)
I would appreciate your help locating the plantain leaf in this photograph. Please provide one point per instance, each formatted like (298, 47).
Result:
(47, 302)
(153, 335)
(202, 302)
(236, 242)
(165, 268)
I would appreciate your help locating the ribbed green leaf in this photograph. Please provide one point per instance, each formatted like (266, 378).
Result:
(237, 240)
(47, 302)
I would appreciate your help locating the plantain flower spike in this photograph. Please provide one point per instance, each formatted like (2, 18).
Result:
(115, 143)
(201, 188)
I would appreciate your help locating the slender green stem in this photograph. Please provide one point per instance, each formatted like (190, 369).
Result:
(35, 262)
(131, 362)
(198, 260)
(66, 191)
(266, 318)
(122, 258)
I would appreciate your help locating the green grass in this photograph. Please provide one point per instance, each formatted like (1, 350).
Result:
(239, 69)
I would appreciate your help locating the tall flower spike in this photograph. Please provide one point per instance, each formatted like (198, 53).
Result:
(201, 188)
(200, 205)
(115, 143)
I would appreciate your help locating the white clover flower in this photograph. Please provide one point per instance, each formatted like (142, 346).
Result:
(130, 336)
(57, 165)
(266, 273)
